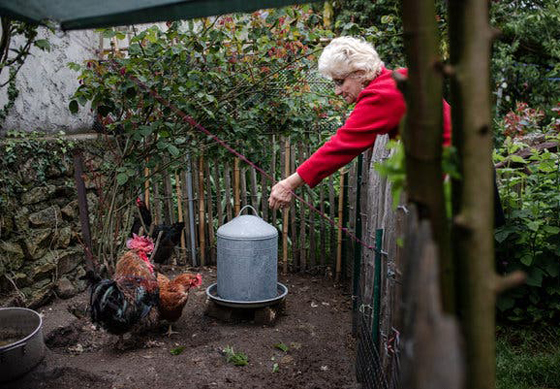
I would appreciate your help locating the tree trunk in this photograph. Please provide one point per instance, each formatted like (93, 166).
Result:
(470, 43)
(424, 131)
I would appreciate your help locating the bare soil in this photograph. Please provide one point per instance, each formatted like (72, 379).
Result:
(315, 328)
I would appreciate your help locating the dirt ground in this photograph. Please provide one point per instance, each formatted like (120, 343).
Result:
(315, 328)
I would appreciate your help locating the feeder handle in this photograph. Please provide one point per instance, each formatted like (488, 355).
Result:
(248, 206)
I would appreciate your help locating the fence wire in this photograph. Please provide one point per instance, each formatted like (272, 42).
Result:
(370, 370)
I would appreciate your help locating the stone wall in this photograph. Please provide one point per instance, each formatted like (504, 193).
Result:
(41, 255)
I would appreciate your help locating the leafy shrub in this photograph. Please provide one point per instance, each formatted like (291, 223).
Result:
(530, 239)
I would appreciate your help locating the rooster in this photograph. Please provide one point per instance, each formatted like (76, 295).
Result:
(174, 294)
(170, 234)
(129, 301)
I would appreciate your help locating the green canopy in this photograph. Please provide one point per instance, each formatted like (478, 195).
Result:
(83, 14)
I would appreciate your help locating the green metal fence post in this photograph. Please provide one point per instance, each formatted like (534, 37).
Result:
(357, 252)
(377, 287)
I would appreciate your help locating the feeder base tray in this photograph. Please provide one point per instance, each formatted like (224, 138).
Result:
(262, 316)
(212, 293)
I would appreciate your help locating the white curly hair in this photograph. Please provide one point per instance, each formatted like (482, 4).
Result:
(345, 55)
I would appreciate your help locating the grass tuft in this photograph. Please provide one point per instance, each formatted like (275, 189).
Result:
(528, 358)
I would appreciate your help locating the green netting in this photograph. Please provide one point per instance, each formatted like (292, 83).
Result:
(83, 14)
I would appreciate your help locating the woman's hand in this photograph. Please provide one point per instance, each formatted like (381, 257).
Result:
(281, 193)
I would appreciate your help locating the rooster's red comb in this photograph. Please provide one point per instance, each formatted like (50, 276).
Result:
(196, 281)
(140, 243)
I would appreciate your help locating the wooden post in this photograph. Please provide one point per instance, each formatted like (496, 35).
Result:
(210, 207)
(273, 172)
(236, 184)
(227, 191)
(218, 195)
(285, 211)
(423, 132)
(180, 218)
(302, 221)
(312, 235)
(169, 217)
(264, 198)
(201, 217)
(156, 204)
(243, 180)
(147, 187)
(470, 36)
(340, 224)
(432, 338)
(83, 208)
(254, 189)
(295, 251)
(322, 228)
(332, 232)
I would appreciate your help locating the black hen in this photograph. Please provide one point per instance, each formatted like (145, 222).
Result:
(146, 218)
(170, 237)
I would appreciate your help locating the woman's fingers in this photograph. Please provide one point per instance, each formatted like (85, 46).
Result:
(280, 196)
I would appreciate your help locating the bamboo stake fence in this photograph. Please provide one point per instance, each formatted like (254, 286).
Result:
(216, 193)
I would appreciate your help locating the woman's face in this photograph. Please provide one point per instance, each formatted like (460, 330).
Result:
(349, 87)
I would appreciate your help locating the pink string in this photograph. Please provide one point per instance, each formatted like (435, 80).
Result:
(200, 128)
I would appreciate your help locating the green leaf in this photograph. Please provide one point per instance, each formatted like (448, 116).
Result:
(173, 150)
(505, 302)
(177, 350)
(74, 66)
(109, 33)
(43, 44)
(73, 106)
(237, 359)
(502, 235)
(122, 178)
(145, 130)
(518, 159)
(535, 277)
(527, 259)
(552, 267)
(552, 230)
(386, 19)
(281, 346)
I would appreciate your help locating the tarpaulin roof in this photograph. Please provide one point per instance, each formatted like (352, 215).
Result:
(83, 14)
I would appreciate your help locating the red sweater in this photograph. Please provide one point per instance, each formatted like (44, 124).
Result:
(378, 111)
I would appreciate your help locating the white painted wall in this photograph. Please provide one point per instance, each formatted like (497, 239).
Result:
(46, 85)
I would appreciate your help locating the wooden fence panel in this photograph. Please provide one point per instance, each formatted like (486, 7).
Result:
(431, 338)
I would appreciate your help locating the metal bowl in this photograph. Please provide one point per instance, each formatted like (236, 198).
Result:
(22, 346)
(212, 293)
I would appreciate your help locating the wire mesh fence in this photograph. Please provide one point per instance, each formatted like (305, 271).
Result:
(369, 369)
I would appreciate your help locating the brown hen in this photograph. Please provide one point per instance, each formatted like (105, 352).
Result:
(174, 294)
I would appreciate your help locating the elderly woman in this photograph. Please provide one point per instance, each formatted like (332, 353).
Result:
(359, 77)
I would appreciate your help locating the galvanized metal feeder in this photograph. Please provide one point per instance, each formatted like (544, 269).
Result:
(247, 264)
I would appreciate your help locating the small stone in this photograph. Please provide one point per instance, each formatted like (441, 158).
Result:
(65, 289)
(37, 242)
(70, 211)
(64, 237)
(49, 217)
(287, 359)
(37, 194)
